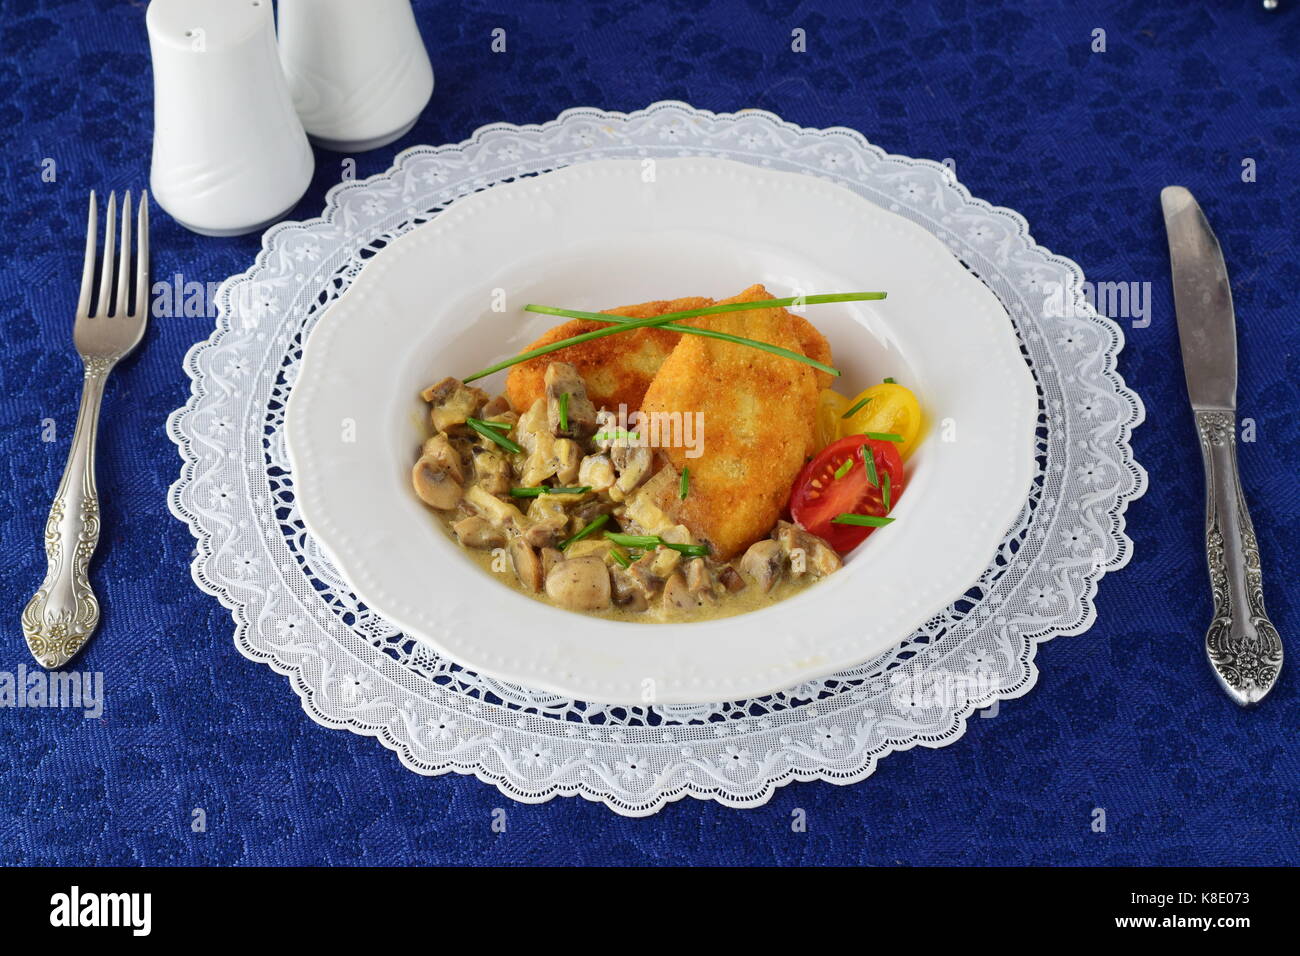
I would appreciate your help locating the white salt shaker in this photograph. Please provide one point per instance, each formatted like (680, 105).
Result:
(358, 71)
(229, 153)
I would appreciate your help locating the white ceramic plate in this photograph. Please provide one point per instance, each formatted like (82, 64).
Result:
(606, 233)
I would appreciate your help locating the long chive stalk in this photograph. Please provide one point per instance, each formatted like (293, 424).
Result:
(728, 337)
(624, 324)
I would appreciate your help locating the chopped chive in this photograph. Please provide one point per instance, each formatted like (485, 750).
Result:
(857, 407)
(564, 412)
(653, 540)
(489, 431)
(536, 490)
(492, 423)
(843, 470)
(869, 460)
(595, 524)
(883, 436)
(629, 324)
(690, 550)
(884, 490)
(620, 557)
(633, 540)
(865, 521)
(684, 488)
(890, 381)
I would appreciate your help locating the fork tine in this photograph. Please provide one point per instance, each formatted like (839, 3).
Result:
(88, 270)
(124, 261)
(106, 270)
(142, 257)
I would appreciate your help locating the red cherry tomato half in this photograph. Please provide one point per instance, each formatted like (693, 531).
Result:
(818, 495)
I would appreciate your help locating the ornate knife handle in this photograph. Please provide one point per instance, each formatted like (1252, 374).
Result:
(61, 616)
(1244, 647)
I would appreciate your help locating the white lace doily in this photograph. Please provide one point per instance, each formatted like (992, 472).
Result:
(293, 611)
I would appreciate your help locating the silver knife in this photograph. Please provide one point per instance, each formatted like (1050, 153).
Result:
(1242, 644)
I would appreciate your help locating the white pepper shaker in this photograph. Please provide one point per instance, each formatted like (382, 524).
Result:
(229, 153)
(359, 72)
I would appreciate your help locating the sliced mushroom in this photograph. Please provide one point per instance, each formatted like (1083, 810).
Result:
(632, 462)
(667, 559)
(585, 512)
(731, 580)
(532, 426)
(502, 514)
(580, 584)
(528, 567)
(550, 558)
(481, 440)
(533, 435)
(818, 556)
(764, 562)
(697, 575)
(580, 415)
(588, 546)
(642, 573)
(478, 533)
(435, 484)
(596, 471)
(541, 536)
(627, 593)
(440, 448)
(499, 406)
(492, 470)
(548, 520)
(568, 458)
(453, 401)
(643, 511)
(678, 595)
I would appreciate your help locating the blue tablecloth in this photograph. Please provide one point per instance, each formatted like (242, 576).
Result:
(1126, 718)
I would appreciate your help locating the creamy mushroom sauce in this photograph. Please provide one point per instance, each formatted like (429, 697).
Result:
(563, 442)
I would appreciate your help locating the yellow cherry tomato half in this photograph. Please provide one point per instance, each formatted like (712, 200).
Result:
(892, 409)
(831, 406)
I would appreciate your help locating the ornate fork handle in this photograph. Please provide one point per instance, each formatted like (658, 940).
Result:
(63, 613)
(1243, 646)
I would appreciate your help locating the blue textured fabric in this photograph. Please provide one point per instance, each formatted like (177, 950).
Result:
(1126, 717)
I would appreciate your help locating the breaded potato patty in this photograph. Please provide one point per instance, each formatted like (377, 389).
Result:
(811, 342)
(617, 369)
(759, 420)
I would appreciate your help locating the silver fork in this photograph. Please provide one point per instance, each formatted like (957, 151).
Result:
(61, 616)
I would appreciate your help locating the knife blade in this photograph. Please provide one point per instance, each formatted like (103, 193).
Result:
(1207, 325)
(1242, 645)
